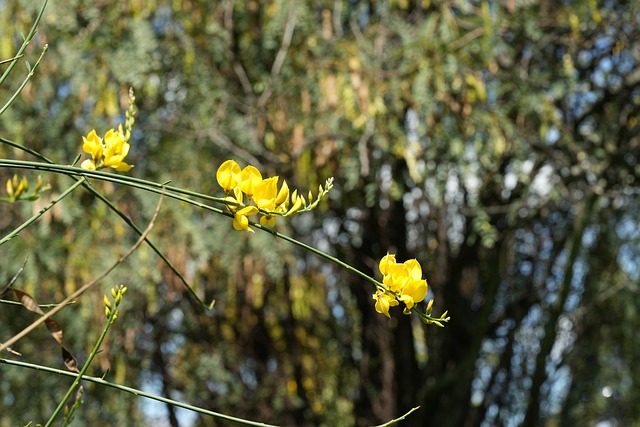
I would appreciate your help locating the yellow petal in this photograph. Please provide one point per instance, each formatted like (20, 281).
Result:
(250, 178)
(88, 165)
(122, 167)
(241, 222)
(397, 277)
(228, 175)
(407, 300)
(415, 270)
(265, 193)
(269, 221)
(386, 261)
(116, 149)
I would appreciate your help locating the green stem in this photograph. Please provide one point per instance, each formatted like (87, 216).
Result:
(135, 392)
(388, 423)
(322, 255)
(76, 382)
(42, 211)
(25, 81)
(106, 176)
(9, 302)
(25, 43)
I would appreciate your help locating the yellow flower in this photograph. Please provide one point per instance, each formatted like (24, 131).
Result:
(240, 220)
(262, 193)
(384, 301)
(92, 144)
(106, 153)
(405, 280)
(115, 150)
(228, 175)
(249, 180)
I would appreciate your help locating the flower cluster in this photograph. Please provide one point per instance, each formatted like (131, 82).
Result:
(403, 282)
(267, 200)
(17, 189)
(107, 152)
(116, 294)
(110, 151)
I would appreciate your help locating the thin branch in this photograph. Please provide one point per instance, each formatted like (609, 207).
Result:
(25, 43)
(5, 61)
(394, 420)
(30, 74)
(13, 279)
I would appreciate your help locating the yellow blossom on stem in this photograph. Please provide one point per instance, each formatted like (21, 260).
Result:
(107, 152)
(384, 301)
(403, 281)
(262, 194)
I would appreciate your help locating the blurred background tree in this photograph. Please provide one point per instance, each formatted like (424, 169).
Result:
(497, 142)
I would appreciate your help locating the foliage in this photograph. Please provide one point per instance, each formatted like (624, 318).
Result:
(496, 142)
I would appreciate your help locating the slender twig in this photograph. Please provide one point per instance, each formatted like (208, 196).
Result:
(398, 419)
(25, 43)
(85, 287)
(10, 302)
(30, 74)
(13, 279)
(135, 392)
(177, 194)
(5, 61)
